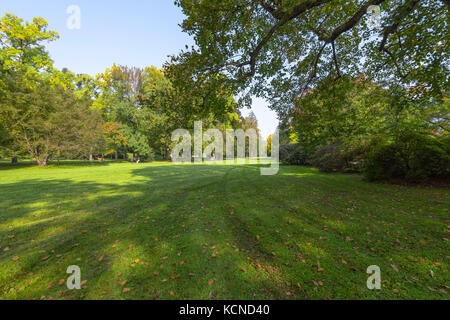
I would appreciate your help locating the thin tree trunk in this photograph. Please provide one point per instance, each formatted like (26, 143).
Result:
(166, 154)
(91, 157)
(43, 162)
(116, 155)
(14, 160)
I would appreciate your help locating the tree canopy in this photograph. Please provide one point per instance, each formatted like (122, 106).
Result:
(281, 48)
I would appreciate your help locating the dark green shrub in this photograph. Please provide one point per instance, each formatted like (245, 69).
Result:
(383, 162)
(293, 154)
(329, 157)
(415, 157)
(341, 157)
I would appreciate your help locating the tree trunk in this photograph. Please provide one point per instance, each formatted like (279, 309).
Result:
(91, 157)
(166, 154)
(14, 160)
(43, 162)
(116, 155)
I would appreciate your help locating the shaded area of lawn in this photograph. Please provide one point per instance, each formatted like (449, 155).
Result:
(217, 231)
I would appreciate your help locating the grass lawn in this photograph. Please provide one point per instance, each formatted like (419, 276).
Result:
(166, 231)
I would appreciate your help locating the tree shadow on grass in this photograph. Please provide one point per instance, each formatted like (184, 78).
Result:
(196, 232)
(83, 220)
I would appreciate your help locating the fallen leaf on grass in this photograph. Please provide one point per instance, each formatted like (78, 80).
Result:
(317, 283)
(319, 269)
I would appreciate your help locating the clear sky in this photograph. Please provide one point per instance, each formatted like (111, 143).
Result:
(133, 32)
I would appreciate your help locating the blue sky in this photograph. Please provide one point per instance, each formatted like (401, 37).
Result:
(134, 33)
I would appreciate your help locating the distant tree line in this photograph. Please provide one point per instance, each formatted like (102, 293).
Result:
(48, 114)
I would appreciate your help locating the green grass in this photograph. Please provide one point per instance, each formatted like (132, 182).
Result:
(217, 231)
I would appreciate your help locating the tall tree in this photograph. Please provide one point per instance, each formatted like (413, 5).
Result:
(23, 59)
(47, 120)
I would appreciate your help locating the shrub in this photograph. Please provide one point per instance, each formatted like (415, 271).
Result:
(383, 162)
(329, 157)
(337, 156)
(293, 154)
(415, 157)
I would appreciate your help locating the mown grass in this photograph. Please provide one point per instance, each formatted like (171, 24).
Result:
(217, 232)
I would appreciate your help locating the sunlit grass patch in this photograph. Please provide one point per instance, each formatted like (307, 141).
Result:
(197, 231)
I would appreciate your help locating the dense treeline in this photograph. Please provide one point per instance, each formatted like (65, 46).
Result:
(49, 114)
(356, 125)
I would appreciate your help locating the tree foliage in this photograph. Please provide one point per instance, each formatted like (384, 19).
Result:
(281, 48)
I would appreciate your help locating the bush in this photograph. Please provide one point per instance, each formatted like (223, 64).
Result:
(293, 154)
(329, 157)
(383, 162)
(340, 157)
(412, 156)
